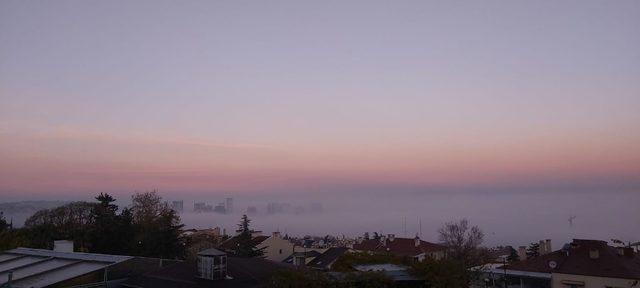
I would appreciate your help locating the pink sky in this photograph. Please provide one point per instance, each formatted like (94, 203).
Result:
(78, 161)
(224, 96)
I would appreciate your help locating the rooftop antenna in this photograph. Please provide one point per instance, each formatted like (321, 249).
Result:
(420, 223)
(571, 218)
(404, 223)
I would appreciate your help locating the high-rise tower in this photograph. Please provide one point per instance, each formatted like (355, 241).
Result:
(229, 205)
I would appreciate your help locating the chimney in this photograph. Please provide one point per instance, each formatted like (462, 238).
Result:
(547, 244)
(276, 234)
(594, 254)
(522, 253)
(391, 237)
(416, 241)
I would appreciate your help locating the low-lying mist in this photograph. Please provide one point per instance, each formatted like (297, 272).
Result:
(506, 218)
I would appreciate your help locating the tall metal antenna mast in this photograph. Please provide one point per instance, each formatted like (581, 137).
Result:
(571, 218)
(404, 223)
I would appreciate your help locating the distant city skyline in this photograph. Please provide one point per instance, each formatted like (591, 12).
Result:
(292, 96)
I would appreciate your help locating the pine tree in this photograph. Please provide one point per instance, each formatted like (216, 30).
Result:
(513, 255)
(246, 247)
(110, 233)
(103, 231)
(533, 250)
(3, 223)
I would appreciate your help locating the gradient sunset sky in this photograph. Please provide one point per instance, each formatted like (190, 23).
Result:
(269, 96)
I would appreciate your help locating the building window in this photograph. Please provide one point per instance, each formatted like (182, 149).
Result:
(280, 251)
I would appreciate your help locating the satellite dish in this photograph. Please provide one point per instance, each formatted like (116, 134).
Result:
(553, 264)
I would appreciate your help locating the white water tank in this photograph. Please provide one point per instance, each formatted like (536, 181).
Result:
(63, 246)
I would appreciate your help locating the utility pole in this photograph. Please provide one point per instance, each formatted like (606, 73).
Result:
(106, 279)
(504, 266)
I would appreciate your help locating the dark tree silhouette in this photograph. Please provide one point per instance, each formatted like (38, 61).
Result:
(10, 238)
(103, 234)
(71, 221)
(110, 233)
(157, 227)
(463, 242)
(3, 222)
(246, 247)
(513, 255)
(445, 273)
(148, 228)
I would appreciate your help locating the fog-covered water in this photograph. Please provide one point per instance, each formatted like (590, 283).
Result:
(506, 218)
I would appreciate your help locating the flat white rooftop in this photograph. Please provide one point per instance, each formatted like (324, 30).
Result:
(40, 268)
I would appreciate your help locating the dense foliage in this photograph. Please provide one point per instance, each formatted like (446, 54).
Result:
(442, 273)
(108, 233)
(148, 228)
(3, 222)
(156, 227)
(70, 221)
(9, 238)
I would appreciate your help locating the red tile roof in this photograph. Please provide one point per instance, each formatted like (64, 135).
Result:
(576, 260)
(231, 243)
(260, 239)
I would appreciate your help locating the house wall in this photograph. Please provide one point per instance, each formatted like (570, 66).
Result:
(592, 282)
(277, 249)
(437, 255)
